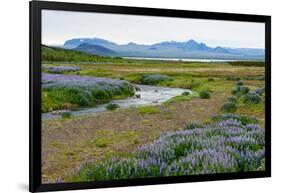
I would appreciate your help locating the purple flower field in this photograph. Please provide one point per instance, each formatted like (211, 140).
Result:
(60, 91)
(232, 143)
(61, 69)
(62, 81)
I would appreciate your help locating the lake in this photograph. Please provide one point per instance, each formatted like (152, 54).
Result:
(184, 59)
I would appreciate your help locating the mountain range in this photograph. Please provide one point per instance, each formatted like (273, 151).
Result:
(166, 49)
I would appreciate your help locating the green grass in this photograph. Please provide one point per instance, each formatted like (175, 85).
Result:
(248, 63)
(110, 138)
(101, 143)
(148, 110)
(181, 98)
(70, 98)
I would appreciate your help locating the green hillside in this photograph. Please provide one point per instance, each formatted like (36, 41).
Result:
(52, 54)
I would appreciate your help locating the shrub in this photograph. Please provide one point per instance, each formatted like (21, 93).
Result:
(211, 79)
(101, 94)
(240, 90)
(243, 89)
(204, 94)
(112, 106)
(79, 98)
(252, 98)
(260, 77)
(233, 78)
(239, 83)
(152, 79)
(234, 91)
(245, 120)
(186, 93)
(229, 107)
(66, 115)
(259, 91)
(232, 99)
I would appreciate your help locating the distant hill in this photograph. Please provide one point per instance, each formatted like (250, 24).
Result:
(65, 55)
(166, 49)
(95, 49)
(73, 43)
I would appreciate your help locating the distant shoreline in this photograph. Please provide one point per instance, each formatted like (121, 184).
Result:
(190, 59)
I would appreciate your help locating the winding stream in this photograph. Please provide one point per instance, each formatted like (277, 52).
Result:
(149, 95)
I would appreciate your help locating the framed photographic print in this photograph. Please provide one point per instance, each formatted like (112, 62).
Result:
(126, 96)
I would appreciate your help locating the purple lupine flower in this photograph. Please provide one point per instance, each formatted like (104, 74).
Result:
(79, 170)
(61, 69)
(220, 147)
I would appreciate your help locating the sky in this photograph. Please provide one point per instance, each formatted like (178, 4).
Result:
(59, 26)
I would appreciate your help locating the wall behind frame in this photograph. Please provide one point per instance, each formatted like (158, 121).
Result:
(14, 95)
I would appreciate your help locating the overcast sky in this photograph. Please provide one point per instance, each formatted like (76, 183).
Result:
(59, 26)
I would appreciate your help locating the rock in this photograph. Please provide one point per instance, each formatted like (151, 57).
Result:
(59, 112)
(155, 90)
(137, 88)
(138, 95)
(154, 101)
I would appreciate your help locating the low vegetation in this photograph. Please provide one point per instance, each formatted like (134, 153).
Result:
(112, 106)
(154, 79)
(240, 90)
(60, 69)
(186, 93)
(239, 83)
(248, 63)
(229, 107)
(204, 94)
(66, 115)
(227, 145)
(252, 98)
(71, 91)
(194, 138)
(148, 110)
(63, 55)
(232, 99)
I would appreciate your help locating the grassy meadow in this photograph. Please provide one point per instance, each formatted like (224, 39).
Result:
(223, 117)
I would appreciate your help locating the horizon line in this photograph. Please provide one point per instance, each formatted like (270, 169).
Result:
(192, 39)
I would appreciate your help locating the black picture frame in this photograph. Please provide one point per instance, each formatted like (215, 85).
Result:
(36, 7)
